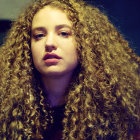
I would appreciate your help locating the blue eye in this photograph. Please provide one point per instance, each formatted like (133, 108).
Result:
(64, 34)
(38, 36)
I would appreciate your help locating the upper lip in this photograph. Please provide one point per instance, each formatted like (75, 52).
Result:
(51, 55)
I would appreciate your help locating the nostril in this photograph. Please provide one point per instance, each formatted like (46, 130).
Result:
(50, 48)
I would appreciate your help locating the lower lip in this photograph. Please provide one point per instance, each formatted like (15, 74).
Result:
(52, 61)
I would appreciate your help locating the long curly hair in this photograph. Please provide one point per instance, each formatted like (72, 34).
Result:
(102, 95)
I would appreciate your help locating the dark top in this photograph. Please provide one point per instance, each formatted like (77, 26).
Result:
(55, 130)
(137, 134)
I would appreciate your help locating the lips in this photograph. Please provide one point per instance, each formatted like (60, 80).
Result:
(51, 59)
(51, 56)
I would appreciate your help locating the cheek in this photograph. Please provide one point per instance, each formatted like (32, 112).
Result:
(33, 52)
(36, 59)
(75, 60)
(36, 49)
(36, 54)
(72, 55)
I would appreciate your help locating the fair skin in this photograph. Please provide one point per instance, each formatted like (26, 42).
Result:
(54, 52)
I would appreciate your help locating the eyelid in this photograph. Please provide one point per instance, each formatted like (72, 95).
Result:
(38, 35)
(68, 32)
(38, 31)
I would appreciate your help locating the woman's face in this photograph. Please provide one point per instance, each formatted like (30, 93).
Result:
(53, 44)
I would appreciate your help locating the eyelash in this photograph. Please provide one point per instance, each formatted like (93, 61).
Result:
(64, 34)
(37, 36)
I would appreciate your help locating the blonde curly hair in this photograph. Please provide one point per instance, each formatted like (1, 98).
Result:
(101, 100)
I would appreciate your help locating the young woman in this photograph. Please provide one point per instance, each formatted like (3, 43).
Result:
(66, 73)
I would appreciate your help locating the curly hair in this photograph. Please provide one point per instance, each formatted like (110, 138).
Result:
(102, 95)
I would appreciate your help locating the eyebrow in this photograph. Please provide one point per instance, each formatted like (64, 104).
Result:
(38, 29)
(63, 26)
(56, 28)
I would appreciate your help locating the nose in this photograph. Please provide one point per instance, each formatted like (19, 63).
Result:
(50, 43)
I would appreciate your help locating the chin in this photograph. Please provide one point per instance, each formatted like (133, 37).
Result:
(52, 74)
(56, 74)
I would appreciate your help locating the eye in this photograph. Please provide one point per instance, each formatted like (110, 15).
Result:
(38, 36)
(64, 34)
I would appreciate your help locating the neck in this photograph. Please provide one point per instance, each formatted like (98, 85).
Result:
(55, 88)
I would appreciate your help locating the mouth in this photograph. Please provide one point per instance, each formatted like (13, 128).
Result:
(51, 58)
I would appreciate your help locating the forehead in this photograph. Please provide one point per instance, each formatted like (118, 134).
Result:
(53, 14)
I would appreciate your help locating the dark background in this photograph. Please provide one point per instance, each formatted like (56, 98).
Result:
(124, 14)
